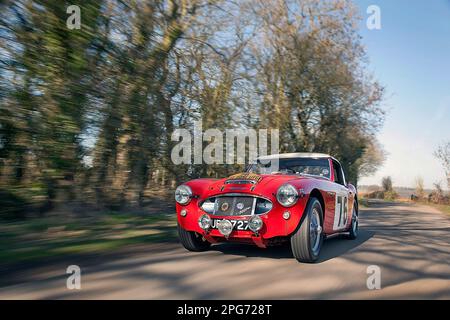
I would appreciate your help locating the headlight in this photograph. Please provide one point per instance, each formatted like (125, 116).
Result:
(204, 222)
(183, 194)
(255, 223)
(287, 195)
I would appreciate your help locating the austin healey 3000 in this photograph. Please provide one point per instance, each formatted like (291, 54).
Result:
(303, 201)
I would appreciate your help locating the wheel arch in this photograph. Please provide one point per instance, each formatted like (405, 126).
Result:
(357, 205)
(300, 240)
(317, 194)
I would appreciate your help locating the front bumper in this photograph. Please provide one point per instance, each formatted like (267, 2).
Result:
(274, 225)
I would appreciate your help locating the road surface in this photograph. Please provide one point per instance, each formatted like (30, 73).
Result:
(409, 243)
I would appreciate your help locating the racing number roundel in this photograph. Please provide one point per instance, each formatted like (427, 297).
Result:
(340, 211)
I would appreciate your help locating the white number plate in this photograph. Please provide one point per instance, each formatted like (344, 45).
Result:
(237, 224)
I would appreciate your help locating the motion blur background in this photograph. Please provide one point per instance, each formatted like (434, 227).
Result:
(86, 115)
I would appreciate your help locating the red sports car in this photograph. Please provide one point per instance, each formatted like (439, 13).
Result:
(304, 201)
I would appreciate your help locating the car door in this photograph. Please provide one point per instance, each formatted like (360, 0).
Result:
(341, 208)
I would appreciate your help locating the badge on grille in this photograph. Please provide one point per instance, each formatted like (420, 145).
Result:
(224, 206)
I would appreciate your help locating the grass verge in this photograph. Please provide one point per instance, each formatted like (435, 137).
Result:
(445, 209)
(41, 238)
(363, 203)
(441, 207)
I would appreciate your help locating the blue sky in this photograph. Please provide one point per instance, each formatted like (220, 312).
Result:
(410, 56)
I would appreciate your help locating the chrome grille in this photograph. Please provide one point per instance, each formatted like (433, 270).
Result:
(236, 205)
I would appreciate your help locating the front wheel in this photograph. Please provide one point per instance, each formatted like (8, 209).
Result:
(306, 242)
(192, 241)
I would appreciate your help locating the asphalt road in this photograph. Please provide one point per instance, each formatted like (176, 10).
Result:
(410, 244)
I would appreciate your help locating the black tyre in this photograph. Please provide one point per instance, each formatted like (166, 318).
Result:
(353, 231)
(306, 242)
(192, 241)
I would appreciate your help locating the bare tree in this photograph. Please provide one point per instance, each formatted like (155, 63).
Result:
(386, 183)
(437, 195)
(443, 154)
(420, 191)
(317, 108)
(372, 158)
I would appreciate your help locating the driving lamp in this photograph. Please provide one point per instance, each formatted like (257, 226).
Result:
(204, 222)
(225, 227)
(255, 223)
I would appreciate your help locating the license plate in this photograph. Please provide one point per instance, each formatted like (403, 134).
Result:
(241, 225)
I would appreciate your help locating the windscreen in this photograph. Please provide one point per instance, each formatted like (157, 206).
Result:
(302, 166)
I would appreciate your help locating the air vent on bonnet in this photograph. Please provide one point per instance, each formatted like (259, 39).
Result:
(240, 182)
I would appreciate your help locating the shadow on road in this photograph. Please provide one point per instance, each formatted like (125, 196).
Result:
(332, 248)
(407, 242)
(339, 245)
(278, 252)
